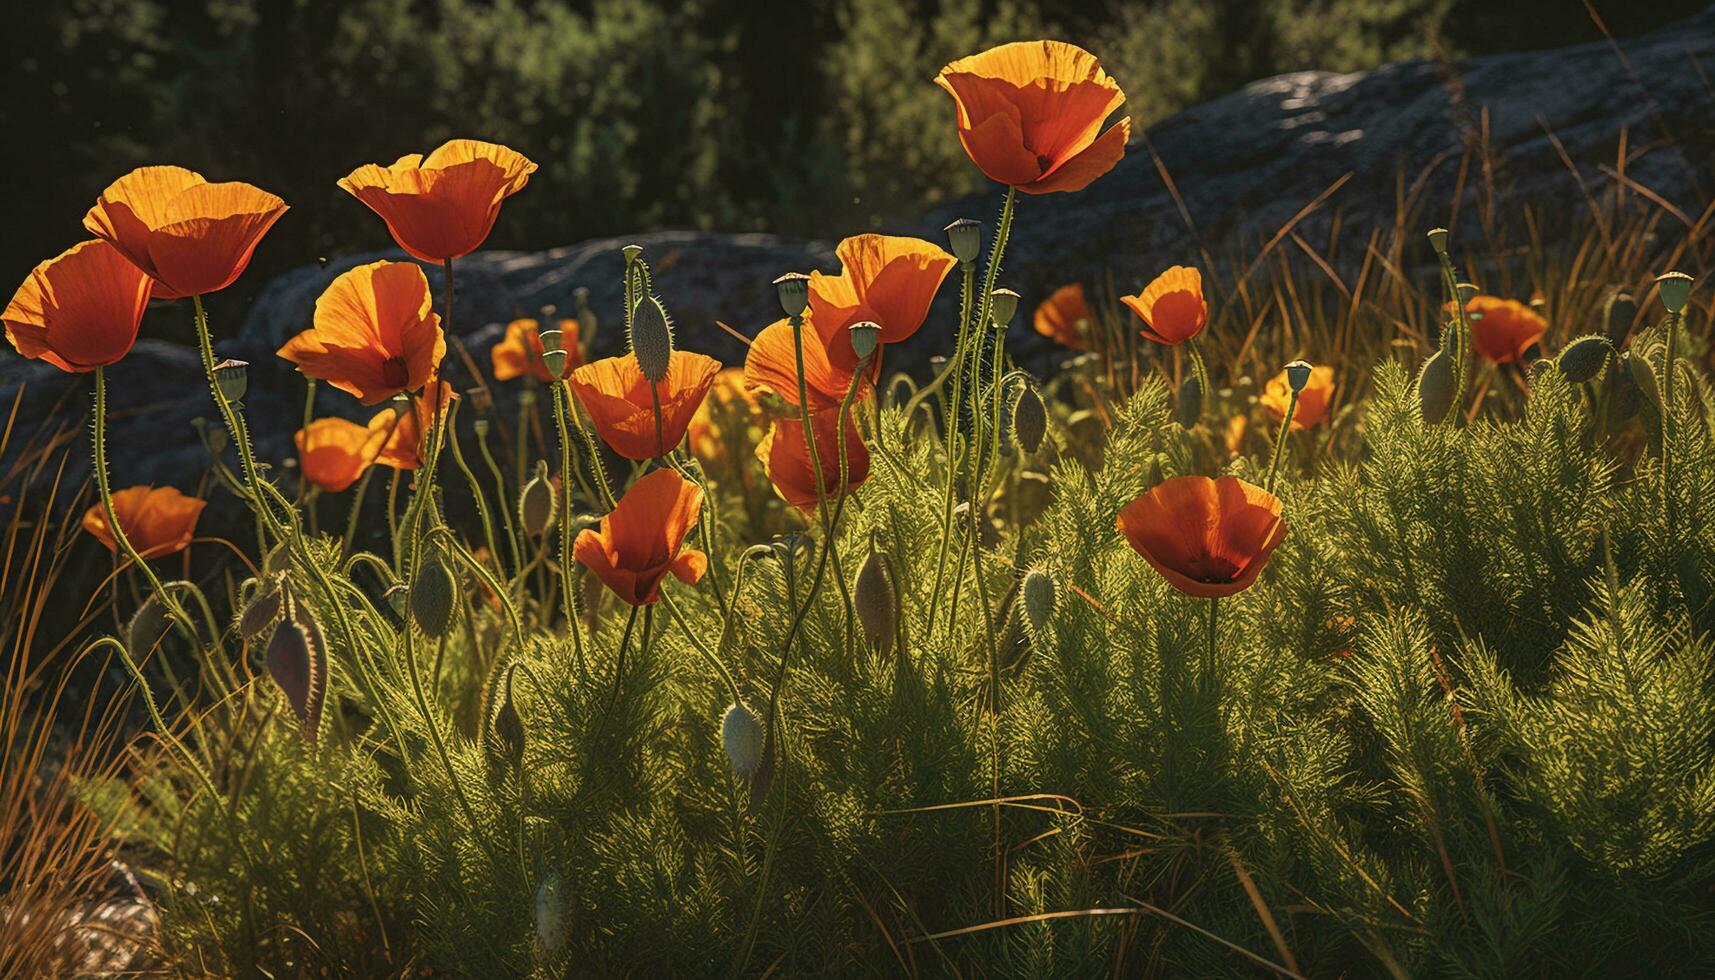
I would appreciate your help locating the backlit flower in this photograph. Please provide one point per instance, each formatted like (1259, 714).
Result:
(1209, 538)
(404, 448)
(643, 538)
(156, 520)
(374, 334)
(884, 279)
(728, 402)
(1065, 318)
(1502, 330)
(620, 401)
(785, 457)
(1313, 402)
(444, 205)
(520, 351)
(191, 236)
(1172, 307)
(334, 452)
(771, 366)
(1031, 114)
(80, 309)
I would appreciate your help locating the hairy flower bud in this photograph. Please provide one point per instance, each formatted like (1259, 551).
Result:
(263, 609)
(794, 291)
(536, 509)
(294, 660)
(965, 236)
(148, 624)
(505, 727)
(873, 596)
(1435, 387)
(652, 338)
(432, 596)
(1618, 315)
(864, 335)
(741, 740)
(1029, 419)
(1675, 289)
(1038, 594)
(1189, 406)
(1643, 375)
(1581, 360)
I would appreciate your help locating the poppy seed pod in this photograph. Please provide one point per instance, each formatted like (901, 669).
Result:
(536, 502)
(1029, 419)
(1675, 289)
(631, 252)
(261, 610)
(652, 338)
(1617, 317)
(864, 334)
(741, 740)
(432, 597)
(1582, 359)
(1188, 409)
(294, 661)
(1438, 239)
(553, 351)
(505, 727)
(1038, 593)
(966, 238)
(1435, 387)
(233, 377)
(1003, 305)
(1298, 375)
(794, 291)
(873, 597)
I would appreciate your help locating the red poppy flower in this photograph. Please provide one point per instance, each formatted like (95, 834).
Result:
(192, 236)
(643, 538)
(80, 309)
(520, 352)
(1031, 114)
(444, 205)
(157, 520)
(334, 452)
(374, 335)
(1209, 538)
(1065, 317)
(883, 279)
(1313, 402)
(1172, 307)
(785, 457)
(1502, 330)
(619, 401)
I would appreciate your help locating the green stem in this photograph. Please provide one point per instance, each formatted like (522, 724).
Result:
(567, 596)
(1280, 442)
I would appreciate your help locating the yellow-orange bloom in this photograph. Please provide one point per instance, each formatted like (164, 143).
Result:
(771, 365)
(520, 352)
(334, 452)
(444, 205)
(80, 309)
(884, 279)
(404, 448)
(1172, 307)
(1502, 330)
(643, 538)
(374, 334)
(621, 401)
(729, 396)
(785, 456)
(1065, 317)
(1031, 114)
(191, 236)
(1208, 538)
(156, 520)
(1313, 402)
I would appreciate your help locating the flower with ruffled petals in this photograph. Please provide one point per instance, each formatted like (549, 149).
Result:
(404, 448)
(80, 309)
(1313, 402)
(334, 452)
(157, 520)
(887, 280)
(785, 456)
(374, 334)
(643, 538)
(1503, 330)
(1065, 317)
(1172, 307)
(771, 367)
(191, 236)
(1031, 115)
(442, 206)
(520, 352)
(1208, 538)
(620, 401)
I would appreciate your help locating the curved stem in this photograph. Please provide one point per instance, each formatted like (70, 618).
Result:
(567, 593)
(1280, 442)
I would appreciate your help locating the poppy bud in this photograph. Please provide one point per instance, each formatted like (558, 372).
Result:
(1621, 394)
(1189, 407)
(873, 597)
(1675, 289)
(652, 338)
(1435, 387)
(794, 291)
(741, 740)
(536, 502)
(1617, 317)
(213, 436)
(1582, 359)
(553, 351)
(631, 252)
(262, 610)
(232, 377)
(1643, 375)
(1003, 304)
(1438, 239)
(864, 334)
(432, 597)
(550, 915)
(1029, 419)
(1298, 375)
(505, 727)
(294, 661)
(966, 238)
(148, 624)
(1539, 367)
(1038, 593)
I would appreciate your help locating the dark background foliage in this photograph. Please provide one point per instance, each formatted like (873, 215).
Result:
(810, 117)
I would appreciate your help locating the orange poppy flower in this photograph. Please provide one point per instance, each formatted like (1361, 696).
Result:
(884, 279)
(728, 396)
(1235, 436)
(1031, 114)
(619, 401)
(1502, 330)
(785, 457)
(191, 236)
(1209, 538)
(1172, 307)
(374, 335)
(1065, 317)
(1313, 402)
(442, 206)
(520, 352)
(334, 452)
(771, 365)
(157, 520)
(80, 309)
(404, 449)
(643, 538)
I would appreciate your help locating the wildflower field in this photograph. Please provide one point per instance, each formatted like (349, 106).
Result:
(1393, 658)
